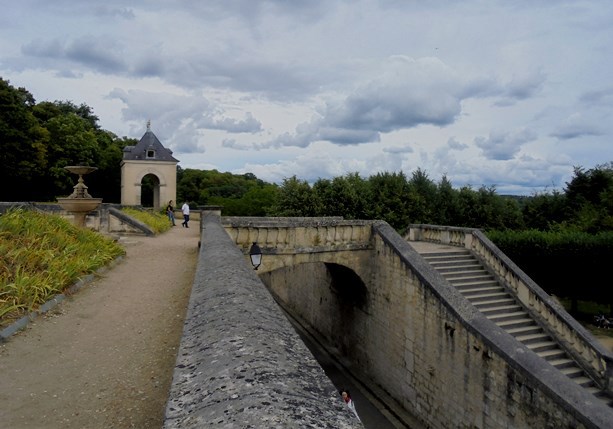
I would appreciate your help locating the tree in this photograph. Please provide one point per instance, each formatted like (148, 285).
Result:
(421, 197)
(589, 198)
(296, 198)
(72, 141)
(22, 144)
(446, 204)
(544, 212)
(342, 196)
(388, 196)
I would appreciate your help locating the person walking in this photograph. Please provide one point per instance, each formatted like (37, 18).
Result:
(185, 211)
(171, 213)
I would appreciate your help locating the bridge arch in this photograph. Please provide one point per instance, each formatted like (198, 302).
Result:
(328, 298)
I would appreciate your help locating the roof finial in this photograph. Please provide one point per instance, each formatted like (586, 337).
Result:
(148, 124)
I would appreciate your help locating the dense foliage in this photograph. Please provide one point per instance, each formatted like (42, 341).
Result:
(565, 263)
(41, 255)
(38, 140)
(239, 194)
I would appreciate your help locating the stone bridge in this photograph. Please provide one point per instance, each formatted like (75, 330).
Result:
(387, 314)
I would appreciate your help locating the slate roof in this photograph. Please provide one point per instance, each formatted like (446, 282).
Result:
(149, 148)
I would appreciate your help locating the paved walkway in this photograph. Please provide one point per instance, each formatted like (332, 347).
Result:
(104, 357)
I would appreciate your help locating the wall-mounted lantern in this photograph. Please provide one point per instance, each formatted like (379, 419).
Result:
(256, 255)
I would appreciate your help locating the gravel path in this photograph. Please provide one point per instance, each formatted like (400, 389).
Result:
(104, 357)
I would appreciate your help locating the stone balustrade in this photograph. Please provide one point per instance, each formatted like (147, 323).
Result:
(569, 333)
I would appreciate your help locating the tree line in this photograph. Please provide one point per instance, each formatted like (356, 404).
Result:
(39, 139)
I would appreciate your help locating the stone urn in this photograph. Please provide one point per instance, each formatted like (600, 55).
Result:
(79, 203)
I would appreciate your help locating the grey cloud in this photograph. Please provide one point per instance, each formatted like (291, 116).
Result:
(347, 136)
(407, 93)
(272, 79)
(121, 12)
(575, 126)
(398, 149)
(452, 143)
(525, 86)
(503, 146)
(602, 97)
(248, 125)
(573, 131)
(44, 48)
(287, 139)
(149, 67)
(99, 54)
(176, 109)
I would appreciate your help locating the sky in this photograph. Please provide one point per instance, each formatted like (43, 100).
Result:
(508, 94)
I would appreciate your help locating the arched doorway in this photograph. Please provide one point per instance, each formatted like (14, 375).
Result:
(150, 191)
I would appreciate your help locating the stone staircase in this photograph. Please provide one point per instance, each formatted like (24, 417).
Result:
(466, 273)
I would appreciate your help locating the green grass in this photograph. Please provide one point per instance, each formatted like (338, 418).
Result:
(42, 255)
(157, 221)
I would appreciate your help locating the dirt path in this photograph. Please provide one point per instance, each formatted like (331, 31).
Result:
(104, 357)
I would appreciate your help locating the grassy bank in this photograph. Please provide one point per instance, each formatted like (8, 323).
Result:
(157, 221)
(41, 255)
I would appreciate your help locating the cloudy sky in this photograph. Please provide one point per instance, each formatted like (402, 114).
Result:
(510, 94)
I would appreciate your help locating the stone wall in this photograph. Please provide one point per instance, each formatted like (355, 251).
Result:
(240, 362)
(428, 351)
(107, 219)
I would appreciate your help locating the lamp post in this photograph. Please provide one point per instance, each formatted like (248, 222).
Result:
(256, 255)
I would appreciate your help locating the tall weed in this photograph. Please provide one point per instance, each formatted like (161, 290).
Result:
(41, 255)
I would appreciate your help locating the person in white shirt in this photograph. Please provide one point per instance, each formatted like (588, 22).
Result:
(185, 210)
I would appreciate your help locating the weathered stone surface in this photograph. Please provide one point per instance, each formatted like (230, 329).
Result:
(241, 364)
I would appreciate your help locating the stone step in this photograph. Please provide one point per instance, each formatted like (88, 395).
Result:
(518, 323)
(554, 354)
(483, 284)
(506, 301)
(470, 276)
(542, 346)
(473, 271)
(525, 330)
(487, 297)
(499, 309)
(562, 363)
(584, 381)
(515, 315)
(448, 257)
(472, 289)
(469, 263)
(533, 337)
(457, 268)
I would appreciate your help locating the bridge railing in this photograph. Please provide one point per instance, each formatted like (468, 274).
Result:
(281, 236)
(572, 336)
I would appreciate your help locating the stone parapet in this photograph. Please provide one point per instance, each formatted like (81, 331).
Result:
(240, 362)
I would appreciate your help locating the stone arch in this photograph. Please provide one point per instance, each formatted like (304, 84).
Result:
(329, 298)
